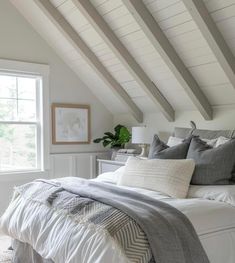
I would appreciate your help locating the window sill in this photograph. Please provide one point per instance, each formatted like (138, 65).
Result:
(18, 176)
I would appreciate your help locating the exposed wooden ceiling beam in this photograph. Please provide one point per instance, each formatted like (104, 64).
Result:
(71, 35)
(125, 57)
(213, 37)
(162, 45)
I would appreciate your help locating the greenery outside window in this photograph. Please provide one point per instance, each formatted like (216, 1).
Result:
(21, 122)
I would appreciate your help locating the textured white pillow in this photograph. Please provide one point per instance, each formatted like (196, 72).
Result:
(171, 177)
(173, 141)
(221, 140)
(211, 142)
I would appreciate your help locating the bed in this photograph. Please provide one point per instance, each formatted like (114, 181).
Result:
(46, 225)
(212, 213)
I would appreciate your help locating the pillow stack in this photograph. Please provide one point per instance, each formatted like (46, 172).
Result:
(171, 167)
(214, 159)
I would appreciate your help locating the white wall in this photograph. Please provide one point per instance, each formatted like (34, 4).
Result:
(18, 41)
(223, 119)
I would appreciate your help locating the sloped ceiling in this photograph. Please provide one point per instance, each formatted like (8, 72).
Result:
(178, 26)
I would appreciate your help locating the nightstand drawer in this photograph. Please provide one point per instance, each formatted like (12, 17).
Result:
(108, 166)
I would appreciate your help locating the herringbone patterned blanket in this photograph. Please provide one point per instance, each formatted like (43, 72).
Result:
(123, 229)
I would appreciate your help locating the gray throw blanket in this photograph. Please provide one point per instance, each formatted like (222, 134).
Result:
(170, 234)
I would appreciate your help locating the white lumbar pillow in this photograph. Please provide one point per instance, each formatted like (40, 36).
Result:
(171, 177)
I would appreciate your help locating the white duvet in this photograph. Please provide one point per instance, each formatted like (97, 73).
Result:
(214, 221)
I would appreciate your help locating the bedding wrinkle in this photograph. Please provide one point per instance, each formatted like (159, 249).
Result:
(149, 227)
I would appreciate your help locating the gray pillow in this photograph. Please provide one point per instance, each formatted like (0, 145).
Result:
(160, 150)
(213, 165)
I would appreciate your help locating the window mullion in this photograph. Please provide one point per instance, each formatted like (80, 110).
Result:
(39, 138)
(17, 96)
(21, 135)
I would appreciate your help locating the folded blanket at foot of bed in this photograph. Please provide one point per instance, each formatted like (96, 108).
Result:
(76, 220)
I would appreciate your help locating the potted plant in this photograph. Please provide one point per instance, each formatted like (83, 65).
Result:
(115, 140)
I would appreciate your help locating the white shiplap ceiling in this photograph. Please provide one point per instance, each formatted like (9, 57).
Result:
(178, 26)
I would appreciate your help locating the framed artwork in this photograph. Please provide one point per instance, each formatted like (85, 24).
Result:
(70, 124)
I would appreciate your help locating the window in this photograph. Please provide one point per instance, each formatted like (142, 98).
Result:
(21, 122)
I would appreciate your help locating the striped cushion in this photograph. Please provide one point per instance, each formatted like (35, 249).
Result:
(171, 177)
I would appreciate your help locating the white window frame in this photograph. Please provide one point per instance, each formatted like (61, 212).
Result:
(41, 71)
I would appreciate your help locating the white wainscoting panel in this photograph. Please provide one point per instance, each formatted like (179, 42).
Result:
(82, 165)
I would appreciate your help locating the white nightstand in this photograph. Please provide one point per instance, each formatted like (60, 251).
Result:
(105, 166)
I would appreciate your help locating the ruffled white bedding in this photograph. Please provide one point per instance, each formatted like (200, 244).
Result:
(214, 221)
(56, 235)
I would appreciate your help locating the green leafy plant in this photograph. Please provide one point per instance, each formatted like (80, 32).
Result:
(119, 138)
